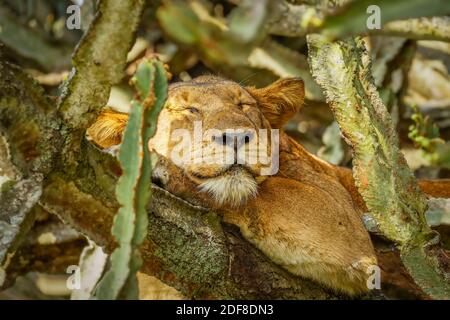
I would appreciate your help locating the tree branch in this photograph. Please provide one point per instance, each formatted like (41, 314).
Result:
(290, 20)
(50, 247)
(99, 61)
(27, 123)
(434, 28)
(381, 174)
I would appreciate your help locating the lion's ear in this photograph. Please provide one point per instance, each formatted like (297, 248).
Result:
(108, 128)
(281, 100)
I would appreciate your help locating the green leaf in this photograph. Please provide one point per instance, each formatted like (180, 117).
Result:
(426, 136)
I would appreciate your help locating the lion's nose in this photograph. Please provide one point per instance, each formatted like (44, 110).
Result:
(234, 139)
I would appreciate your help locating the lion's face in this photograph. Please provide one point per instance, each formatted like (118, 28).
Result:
(221, 133)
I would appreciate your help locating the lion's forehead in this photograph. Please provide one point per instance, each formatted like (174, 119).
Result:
(211, 91)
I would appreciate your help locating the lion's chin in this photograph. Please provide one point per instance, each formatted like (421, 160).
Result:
(233, 188)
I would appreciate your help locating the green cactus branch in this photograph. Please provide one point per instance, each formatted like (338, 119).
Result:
(383, 178)
(133, 187)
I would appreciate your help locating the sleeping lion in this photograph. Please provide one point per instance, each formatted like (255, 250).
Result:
(305, 215)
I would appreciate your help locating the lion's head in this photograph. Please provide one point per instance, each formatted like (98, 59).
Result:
(211, 129)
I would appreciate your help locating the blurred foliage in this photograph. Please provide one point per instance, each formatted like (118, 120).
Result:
(35, 32)
(426, 136)
(353, 18)
(234, 53)
(332, 151)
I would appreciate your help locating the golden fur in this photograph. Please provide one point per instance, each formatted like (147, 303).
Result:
(306, 217)
(108, 128)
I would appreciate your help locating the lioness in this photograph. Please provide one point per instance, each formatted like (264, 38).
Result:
(306, 217)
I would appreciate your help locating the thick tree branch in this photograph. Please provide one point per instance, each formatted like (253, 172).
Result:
(99, 61)
(381, 174)
(27, 123)
(50, 247)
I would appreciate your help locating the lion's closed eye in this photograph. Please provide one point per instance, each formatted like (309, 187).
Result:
(192, 109)
(243, 104)
(188, 108)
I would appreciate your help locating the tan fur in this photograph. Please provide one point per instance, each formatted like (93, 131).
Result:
(150, 288)
(280, 101)
(233, 189)
(107, 130)
(306, 218)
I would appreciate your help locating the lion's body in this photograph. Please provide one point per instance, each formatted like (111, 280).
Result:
(306, 217)
(310, 231)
